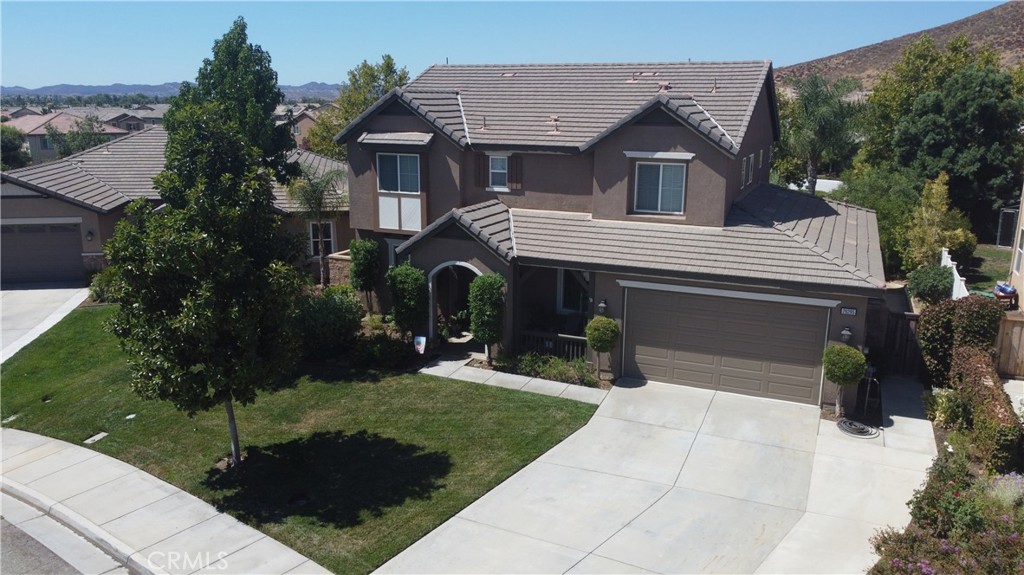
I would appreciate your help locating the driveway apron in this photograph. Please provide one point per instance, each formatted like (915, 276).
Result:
(672, 479)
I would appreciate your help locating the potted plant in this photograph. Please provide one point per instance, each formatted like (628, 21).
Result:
(602, 332)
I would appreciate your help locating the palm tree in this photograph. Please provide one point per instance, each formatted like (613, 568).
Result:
(821, 124)
(318, 197)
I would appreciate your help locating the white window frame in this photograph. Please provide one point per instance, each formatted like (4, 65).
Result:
(750, 169)
(491, 171)
(398, 162)
(296, 129)
(636, 182)
(560, 303)
(1020, 251)
(313, 241)
(760, 158)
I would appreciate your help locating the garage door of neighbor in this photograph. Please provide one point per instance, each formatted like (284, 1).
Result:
(33, 253)
(752, 347)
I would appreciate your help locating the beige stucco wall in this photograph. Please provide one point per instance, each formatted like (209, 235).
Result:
(757, 140)
(14, 208)
(559, 182)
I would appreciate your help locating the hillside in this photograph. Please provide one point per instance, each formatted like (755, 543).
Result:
(1001, 27)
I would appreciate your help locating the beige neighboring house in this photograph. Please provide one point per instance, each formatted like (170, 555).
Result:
(39, 145)
(636, 191)
(130, 119)
(57, 216)
(1017, 266)
(300, 126)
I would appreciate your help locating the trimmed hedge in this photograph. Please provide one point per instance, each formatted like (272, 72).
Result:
(972, 321)
(976, 322)
(995, 432)
(329, 322)
(931, 284)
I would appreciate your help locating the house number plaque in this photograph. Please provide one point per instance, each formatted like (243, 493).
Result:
(848, 311)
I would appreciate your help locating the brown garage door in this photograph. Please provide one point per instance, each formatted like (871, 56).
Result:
(35, 253)
(757, 348)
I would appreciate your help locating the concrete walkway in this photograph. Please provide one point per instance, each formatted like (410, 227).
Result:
(25, 314)
(143, 522)
(670, 479)
(456, 368)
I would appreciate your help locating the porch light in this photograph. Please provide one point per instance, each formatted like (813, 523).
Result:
(845, 334)
(88, 236)
(602, 307)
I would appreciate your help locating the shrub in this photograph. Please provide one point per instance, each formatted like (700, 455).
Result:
(550, 367)
(1007, 491)
(381, 351)
(409, 296)
(931, 284)
(961, 244)
(948, 409)
(976, 322)
(844, 365)
(329, 322)
(487, 309)
(602, 333)
(365, 264)
(103, 287)
(935, 336)
(949, 475)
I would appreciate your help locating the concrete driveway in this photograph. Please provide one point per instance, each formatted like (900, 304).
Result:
(27, 313)
(670, 479)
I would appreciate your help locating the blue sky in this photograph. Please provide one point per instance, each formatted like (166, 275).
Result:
(44, 43)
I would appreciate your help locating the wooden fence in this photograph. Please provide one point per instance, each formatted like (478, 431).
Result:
(1010, 346)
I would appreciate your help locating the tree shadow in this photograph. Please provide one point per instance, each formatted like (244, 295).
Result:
(331, 477)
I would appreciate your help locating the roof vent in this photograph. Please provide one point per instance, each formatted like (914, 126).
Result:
(509, 74)
(664, 86)
(484, 126)
(714, 87)
(554, 121)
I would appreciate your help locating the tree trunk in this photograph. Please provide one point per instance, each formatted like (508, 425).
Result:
(812, 176)
(323, 256)
(839, 401)
(487, 352)
(236, 457)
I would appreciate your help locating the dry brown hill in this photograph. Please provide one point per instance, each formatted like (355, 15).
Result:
(1001, 27)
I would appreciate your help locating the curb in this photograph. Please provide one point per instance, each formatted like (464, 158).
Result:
(93, 533)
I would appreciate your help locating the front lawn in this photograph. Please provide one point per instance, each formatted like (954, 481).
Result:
(990, 264)
(346, 468)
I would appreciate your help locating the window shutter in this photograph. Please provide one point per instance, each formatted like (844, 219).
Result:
(483, 170)
(515, 172)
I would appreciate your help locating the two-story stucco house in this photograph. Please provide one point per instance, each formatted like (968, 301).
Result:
(635, 190)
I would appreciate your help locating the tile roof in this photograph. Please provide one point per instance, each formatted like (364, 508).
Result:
(805, 241)
(110, 175)
(62, 121)
(517, 105)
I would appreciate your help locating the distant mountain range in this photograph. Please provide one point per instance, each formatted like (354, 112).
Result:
(309, 90)
(1001, 28)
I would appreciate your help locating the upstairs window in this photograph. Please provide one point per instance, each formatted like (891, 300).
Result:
(498, 172)
(660, 188)
(750, 169)
(398, 173)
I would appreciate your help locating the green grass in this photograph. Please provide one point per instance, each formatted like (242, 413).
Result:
(990, 264)
(348, 469)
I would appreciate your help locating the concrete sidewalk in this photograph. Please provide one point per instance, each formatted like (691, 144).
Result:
(141, 521)
(456, 368)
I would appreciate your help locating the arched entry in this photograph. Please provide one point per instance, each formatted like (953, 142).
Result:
(449, 286)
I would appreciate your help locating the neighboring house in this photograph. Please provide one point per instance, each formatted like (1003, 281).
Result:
(635, 190)
(57, 216)
(39, 145)
(300, 126)
(130, 119)
(24, 111)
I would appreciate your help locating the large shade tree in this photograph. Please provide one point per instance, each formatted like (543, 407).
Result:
(239, 77)
(12, 148)
(366, 84)
(820, 126)
(207, 302)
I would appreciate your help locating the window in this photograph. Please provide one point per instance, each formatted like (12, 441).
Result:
(393, 258)
(1020, 252)
(326, 229)
(660, 188)
(46, 144)
(750, 168)
(398, 173)
(498, 173)
(760, 158)
(572, 294)
(296, 129)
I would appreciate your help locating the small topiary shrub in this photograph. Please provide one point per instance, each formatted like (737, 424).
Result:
(409, 296)
(935, 336)
(931, 284)
(329, 322)
(844, 365)
(602, 333)
(103, 287)
(487, 310)
(365, 265)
